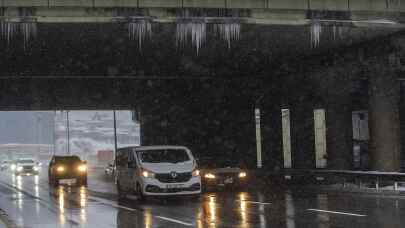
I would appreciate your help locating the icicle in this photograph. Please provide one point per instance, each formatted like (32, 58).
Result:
(140, 30)
(228, 32)
(316, 31)
(9, 30)
(195, 30)
(392, 4)
(339, 32)
(29, 32)
(334, 32)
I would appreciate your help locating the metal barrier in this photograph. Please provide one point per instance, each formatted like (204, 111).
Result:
(346, 176)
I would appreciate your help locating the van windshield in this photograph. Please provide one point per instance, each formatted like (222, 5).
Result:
(163, 156)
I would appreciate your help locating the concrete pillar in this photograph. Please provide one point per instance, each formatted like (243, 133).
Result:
(335, 91)
(385, 147)
(339, 135)
(302, 136)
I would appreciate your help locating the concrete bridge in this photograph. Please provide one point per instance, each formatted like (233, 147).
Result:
(292, 12)
(206, 99)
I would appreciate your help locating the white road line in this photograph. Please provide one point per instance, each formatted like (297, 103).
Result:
(106, 202)
(253, 202)
(123, 207)
(336, 212)
(174, 220)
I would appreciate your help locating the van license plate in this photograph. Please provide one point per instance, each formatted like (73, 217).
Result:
(174, 186)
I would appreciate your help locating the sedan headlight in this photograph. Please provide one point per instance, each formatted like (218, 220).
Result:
(148, 174)
(196, 173)
(209, 176)
(13, 167)
(82, 168)
(60, 169)
(242, 174)
(19, 169)
(35, 168)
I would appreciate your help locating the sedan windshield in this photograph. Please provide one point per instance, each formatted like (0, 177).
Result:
(219, 163)
(26, 161)
(163, 156)
(67, 159)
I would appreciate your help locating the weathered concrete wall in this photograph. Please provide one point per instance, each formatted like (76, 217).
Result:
(385, 146)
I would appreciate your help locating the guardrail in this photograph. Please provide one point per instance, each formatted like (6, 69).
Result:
(346, 176)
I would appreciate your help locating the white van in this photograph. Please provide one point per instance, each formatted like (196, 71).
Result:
(156, 171)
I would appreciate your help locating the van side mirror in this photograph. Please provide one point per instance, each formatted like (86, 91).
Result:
(131, 165)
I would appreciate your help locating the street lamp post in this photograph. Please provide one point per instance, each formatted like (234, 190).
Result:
(38, 120)
(53, 132)
(115, 134)
(67, 133)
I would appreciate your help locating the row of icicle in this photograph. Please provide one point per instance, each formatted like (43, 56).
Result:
(9, 30)
(186, 32)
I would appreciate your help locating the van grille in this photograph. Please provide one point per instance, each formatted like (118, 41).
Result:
(168, 178)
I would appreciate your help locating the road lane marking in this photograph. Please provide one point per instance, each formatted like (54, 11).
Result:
(174, 220)
(336, 212)
(107, 202)
(253, 202)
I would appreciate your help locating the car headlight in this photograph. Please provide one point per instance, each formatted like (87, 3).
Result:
(19, 169)
(242, 174)
(209, 176)
(148, 174)
(196, 173)
(82, 168)
(60, 169)
(13, 166)
(35, 168)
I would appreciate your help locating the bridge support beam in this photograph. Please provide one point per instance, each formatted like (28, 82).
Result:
(385, 143)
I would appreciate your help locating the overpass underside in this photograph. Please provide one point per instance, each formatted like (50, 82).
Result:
(196, 80)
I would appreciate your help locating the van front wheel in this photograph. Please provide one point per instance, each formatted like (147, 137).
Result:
(121, 193)
(139, 193)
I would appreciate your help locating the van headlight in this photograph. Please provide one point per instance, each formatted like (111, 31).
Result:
(35, 168)
(13, 167)
(242, 174)
(19, 169)
(148, 174)
(196, 173)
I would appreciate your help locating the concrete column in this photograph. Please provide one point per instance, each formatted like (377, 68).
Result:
(385, 147)
(339, 135)
(335, 90)
(302, 136)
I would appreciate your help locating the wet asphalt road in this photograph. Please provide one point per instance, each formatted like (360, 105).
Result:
(30, 202)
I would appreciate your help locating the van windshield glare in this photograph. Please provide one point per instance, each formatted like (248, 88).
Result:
(163, 156)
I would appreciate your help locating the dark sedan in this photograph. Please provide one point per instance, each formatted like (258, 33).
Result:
(222, 175)
(67, 170)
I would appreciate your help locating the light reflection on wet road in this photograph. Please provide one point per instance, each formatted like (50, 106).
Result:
(30, 202)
